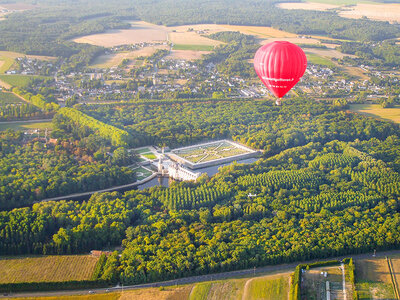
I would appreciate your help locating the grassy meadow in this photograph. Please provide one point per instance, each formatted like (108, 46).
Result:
(47, 268)
(376, 111)
(268, 289)
(319, 60)
(18, 80)
(26, 125)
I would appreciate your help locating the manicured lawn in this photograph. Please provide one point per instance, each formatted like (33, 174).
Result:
(26, 126)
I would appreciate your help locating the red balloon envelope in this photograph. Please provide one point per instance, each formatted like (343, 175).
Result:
(280, 65)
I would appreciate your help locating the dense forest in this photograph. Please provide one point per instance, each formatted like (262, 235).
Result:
(35, 170)
(316, 200)
(333, 189)
(259, 124)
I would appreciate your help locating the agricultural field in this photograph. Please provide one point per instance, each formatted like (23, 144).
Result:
(208, 152)
(380, 12)
(314, 283)
(140, 32)
(373, 279)
(48, 268)
(15, 125)
(375, 110)
(115, 59)
(18, 80)
(9, 98)
(308, 6)
(353, 9)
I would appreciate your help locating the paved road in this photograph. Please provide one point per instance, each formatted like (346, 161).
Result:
(194, 279)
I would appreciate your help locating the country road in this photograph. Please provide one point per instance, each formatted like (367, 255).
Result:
(194, 279)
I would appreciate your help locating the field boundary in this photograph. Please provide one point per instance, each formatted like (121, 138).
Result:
(393, 278)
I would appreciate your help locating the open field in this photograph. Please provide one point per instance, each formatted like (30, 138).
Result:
(372, 10)
(191, 38)
(373, 279)
(268, 288)
(209, 152)
(7, 59)
(200, 291)
(18, 6)
(193, 47)
(111, 60)
(26, 125)
(48, 268)
(375, 110)
(169, 293)
(140, 32)
(18, 80)
(307, 6)
(328, 53)
(395, 261)
(319, 60)
(381, 12)
(9, 98)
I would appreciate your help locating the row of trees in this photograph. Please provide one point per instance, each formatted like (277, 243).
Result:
(38, 100)
(75, 118)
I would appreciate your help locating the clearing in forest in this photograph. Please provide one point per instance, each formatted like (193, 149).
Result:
(376, 111)
(373, 279)
(48, 268)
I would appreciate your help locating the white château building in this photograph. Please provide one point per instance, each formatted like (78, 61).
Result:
(176, 171)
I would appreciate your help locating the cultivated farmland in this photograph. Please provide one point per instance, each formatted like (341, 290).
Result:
(48, 268)
(140, 32)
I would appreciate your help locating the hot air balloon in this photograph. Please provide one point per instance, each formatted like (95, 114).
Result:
(280, 65)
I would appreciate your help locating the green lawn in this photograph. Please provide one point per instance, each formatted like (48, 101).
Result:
(193, 47)
(149, 155)
(26, 126)
(319, 60)
(200, 291)
(144, 150)
(9, 98)
(18, 80)
(142, 173)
